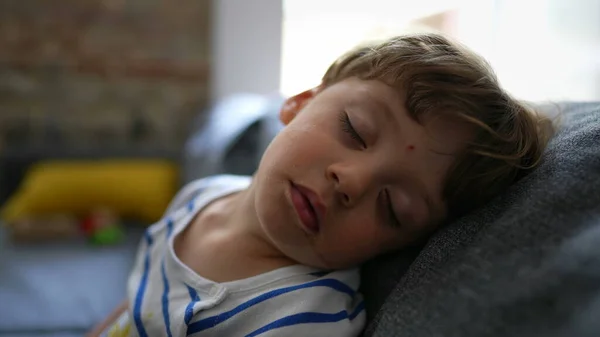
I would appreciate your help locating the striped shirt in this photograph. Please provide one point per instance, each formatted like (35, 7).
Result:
(167, 298)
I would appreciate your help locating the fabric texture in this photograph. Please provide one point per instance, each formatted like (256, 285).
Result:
(527, 264)
(169, 299)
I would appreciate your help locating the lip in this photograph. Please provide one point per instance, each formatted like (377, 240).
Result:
(308, 206)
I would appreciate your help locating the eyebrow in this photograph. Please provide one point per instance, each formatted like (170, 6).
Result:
(380, 104)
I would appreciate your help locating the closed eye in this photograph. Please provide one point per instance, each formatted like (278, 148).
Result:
(391, 214)
(350, 130)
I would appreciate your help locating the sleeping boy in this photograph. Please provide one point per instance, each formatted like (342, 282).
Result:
(397, 140)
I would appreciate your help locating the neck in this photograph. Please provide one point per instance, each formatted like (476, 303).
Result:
(245, 228)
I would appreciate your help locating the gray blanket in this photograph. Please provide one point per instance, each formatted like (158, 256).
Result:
(527, 264)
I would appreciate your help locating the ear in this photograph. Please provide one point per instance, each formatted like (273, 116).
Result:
(294, 104)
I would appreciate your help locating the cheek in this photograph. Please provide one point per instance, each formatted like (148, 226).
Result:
(300, 145)
(355, 241)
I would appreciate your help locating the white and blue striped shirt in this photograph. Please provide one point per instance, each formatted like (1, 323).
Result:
(166, 298)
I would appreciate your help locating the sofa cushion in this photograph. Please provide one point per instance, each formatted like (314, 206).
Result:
(527, 264)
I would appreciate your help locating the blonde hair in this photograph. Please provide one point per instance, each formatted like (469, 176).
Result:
(439, 76)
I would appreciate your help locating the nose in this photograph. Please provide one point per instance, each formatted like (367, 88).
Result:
(350, 182)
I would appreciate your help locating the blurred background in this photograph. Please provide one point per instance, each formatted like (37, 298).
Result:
(101, 73)
(540, 49)
(197, 84)
(134, 73)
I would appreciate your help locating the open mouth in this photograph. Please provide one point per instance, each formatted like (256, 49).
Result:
(305, 210)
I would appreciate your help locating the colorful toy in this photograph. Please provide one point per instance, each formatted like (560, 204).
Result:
(102, 227)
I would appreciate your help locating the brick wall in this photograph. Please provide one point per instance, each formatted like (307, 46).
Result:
(101, 73)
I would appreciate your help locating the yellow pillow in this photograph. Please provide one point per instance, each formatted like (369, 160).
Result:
(139, 189)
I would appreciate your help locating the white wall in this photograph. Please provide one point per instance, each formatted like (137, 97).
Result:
(541, 49)
(548, 49)
(246, 47)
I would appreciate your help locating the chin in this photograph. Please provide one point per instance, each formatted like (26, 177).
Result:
(279, 223)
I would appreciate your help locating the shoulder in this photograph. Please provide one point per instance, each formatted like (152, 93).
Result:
(316, 304)
(184, 201)
(203, 186)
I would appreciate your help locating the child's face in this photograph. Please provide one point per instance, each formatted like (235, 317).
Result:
(352, 176)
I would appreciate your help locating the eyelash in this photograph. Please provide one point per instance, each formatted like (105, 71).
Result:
(392, 215)
(350, 130)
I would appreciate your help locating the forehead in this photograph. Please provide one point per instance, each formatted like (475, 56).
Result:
(446, 134)
(442, 132)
